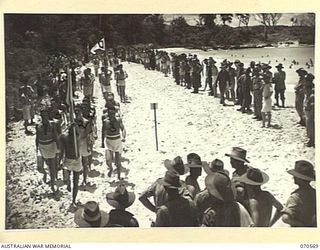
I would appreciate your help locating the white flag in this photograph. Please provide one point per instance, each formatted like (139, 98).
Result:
(100, 45)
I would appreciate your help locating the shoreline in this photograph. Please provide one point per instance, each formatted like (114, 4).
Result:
(238, 47)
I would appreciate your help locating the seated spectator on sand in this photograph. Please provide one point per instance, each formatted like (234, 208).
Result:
(300, 209)
(260, 202)
(225, 211)
(121, 199)
(90, 215)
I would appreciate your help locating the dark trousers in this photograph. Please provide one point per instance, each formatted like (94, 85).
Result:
(246, 100)
(257, 102)
(222, 89)
(299, 105)
(239, 94)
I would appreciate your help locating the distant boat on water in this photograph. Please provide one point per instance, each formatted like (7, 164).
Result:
(289, 43)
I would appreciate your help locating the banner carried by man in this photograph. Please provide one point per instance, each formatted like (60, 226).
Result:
(100, 45)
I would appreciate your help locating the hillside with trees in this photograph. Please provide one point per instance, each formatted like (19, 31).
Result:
(31, 38)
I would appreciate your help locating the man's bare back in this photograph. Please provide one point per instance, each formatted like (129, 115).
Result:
(261, 205)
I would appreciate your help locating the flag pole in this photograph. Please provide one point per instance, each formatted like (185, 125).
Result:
(71, 110)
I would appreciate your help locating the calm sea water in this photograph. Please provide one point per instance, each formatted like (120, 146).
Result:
(266, 55)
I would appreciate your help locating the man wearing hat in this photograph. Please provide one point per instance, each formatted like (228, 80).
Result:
(246, 86)
(195, 166)
(90, 215)
(121, 199)
(257, 93)
(260, 202)
(207, 72)
(280, 86)
(178, 211)
(300, 94)
(237, 161)
(196, 75)
(232, 74)
(223, 79)
(157, 190)
(309, 110)
(204, 200)
(266, 69)
(224, 210)
(215, 72)
(240, 71)
(300, 209)
(252, 65)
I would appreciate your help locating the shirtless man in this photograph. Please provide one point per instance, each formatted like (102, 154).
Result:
(104, 79)
(260, 202)
(195, 165)
(111, 127)
(26, 94)
(110, 102)
(89, 113)
(72, 162)
(84, 130)
(88, 83)
(121, 81)
(46, 142)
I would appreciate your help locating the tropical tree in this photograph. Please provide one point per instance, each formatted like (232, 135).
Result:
(208, 20)
(226, 18)
(274, 18)
(153, 27)
(268, 20)
(307, 19)
(243, 18)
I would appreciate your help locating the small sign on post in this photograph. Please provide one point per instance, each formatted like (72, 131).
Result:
(154, 106)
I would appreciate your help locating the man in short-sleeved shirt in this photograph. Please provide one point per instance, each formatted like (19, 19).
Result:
(177, 212)
(301, 205)
(300, 209)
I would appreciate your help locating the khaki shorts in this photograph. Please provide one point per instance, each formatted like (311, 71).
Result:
(72, 165)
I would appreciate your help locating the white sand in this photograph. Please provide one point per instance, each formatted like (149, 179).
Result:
(186, 123)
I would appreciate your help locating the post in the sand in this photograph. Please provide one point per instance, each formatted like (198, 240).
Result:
(154, 106)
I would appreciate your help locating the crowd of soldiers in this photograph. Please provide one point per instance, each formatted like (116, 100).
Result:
(66, 135)
(247, 87)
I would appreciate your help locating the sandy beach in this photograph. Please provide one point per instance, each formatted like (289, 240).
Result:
(186, 123)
